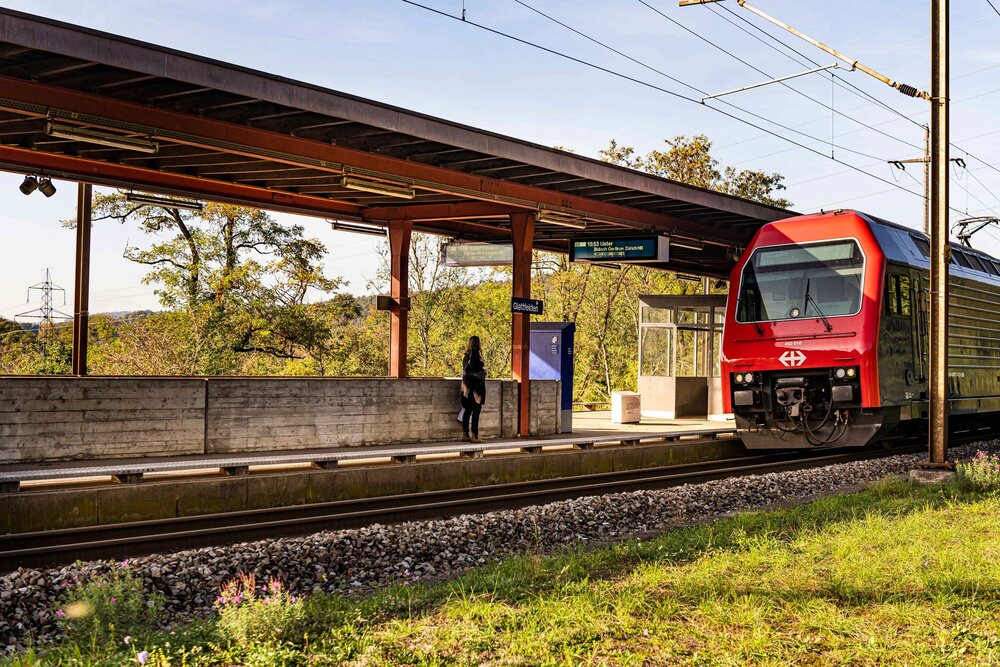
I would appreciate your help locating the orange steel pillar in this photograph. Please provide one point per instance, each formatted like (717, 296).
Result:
(522, 227)
(399, 252)
(81, 281)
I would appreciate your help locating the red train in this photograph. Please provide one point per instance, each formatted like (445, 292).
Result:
(826, 334)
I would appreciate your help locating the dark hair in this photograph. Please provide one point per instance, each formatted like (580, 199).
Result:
(474, 344)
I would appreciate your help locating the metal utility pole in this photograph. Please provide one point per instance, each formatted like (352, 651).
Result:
(940, 250)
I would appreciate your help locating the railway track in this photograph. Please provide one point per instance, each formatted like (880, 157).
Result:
(60, 547)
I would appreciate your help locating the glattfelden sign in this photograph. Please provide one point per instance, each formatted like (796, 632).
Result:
(529, 306)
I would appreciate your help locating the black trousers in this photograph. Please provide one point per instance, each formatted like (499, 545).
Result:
(471, 414)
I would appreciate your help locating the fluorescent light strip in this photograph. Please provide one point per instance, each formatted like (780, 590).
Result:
(564, 222)
(357, 229)
(401, 191)
(166, 202)
(690, 245)
(88, 135)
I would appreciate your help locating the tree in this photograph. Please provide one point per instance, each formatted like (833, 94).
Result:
(240, 278)
(689, 160)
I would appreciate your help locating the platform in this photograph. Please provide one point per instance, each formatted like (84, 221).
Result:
(591, 428)
(78, 494)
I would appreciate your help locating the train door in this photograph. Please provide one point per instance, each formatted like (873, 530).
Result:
(899, 357)
(921, 332)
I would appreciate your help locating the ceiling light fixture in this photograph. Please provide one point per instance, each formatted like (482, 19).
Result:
(46, 187)
(28, 185)
(165, 202)
(554, 219)
(338, 226)
(684, 243)
(62, 131)
(401, 191)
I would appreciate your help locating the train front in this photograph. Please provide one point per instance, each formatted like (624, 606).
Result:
(799, 364)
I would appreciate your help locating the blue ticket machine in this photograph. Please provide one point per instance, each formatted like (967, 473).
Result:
(552, 359)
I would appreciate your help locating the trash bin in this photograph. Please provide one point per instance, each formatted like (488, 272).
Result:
(626, 407)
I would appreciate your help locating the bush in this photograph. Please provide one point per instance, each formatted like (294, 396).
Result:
(106, 609)
(249, 615)
(982, 472)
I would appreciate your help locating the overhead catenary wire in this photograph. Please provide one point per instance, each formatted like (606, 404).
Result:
(667, 91)
(994, 7)
(861, 91)
(681, 96)
(688, 85)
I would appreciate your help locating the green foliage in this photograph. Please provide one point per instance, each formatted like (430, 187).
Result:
(689, 160)
(248, 615)
(981, 472)
(897, 574)
(109, 611)
(238, 278)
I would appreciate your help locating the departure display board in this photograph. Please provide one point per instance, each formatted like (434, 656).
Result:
(476, 253)
(619, 250)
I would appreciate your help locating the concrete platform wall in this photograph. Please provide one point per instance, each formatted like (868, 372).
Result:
(50, 419)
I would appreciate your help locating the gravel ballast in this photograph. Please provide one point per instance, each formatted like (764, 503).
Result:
(348, 560)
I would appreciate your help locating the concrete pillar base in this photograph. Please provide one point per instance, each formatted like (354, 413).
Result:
(930, 476)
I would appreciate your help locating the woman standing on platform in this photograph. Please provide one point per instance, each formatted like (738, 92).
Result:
(473, 388)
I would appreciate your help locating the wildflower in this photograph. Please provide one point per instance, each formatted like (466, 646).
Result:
(60, 613)
(128, 639)
(142, 657)
(114, 600)
(77, 610)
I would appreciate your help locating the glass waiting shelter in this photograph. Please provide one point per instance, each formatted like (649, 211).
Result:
(679, 341)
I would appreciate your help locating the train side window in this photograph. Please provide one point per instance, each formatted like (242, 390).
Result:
(922, 245)
(892, 298)
(960, 257)
(976, 264)
(989, 266)
(996, 267)
(904, 295)
(898, 295)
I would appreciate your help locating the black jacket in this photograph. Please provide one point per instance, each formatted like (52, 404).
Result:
(474, 374)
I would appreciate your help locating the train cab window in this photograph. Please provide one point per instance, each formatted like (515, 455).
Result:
(960, 258)
(922, 245)
(996, 267)
(796, 281)
(899, 295)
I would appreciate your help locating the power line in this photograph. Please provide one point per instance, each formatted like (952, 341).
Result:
(677, 95)
(673, 94)
(763, 73)
(990, 2)
(859, 90)
(692, 87)
(847, 85)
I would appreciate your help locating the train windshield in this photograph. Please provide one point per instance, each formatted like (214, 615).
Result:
(794, 281)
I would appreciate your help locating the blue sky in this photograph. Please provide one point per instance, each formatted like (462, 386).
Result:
(393, 52)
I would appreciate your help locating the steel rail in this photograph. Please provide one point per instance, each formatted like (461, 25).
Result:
(59, 547)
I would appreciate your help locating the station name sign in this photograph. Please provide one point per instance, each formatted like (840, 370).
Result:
(476, 253)
(529, 306)
(632, 249)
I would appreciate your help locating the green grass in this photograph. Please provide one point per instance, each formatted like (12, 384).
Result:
(893, 575)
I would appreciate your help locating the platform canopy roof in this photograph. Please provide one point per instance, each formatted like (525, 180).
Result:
(95, 107)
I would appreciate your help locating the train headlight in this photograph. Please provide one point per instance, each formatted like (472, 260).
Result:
(748, 378)
(851, 372)
(739, 378)
(840, 373)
